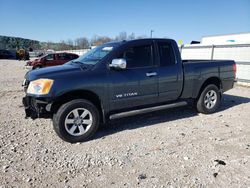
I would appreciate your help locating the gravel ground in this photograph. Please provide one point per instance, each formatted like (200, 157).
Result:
(173, 148)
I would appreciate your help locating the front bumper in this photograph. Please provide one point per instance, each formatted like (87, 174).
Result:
(36, 108)
(28, 67)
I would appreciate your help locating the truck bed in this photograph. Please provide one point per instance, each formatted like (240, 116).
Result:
(197, 71)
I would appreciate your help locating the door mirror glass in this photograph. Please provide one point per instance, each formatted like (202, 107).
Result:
(118, 64)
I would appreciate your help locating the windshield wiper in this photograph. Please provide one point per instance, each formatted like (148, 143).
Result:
(76, 62)
(82, 65)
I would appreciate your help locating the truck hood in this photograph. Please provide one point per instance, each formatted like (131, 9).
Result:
(54, 71)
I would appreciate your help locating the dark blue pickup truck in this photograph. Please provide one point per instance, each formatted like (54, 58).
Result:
(120, 79)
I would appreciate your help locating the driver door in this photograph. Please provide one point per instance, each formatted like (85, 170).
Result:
(50, 60)
(137, 84)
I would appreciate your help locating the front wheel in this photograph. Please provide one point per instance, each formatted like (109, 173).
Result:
(209, 100)
(76, 120)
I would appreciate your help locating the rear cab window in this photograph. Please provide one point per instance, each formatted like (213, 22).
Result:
(166, 54)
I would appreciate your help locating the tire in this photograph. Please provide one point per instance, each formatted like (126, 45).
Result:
(209, 100)
(76, 121)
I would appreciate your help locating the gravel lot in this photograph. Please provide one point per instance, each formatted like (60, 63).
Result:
(173, 148)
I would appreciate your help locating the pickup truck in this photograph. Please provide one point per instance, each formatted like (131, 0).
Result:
(51, 59)
(121, 79)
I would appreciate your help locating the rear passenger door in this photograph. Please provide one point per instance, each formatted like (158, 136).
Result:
(137, 84)
(169, 71)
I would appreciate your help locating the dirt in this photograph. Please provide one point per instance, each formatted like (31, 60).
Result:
(171, 148)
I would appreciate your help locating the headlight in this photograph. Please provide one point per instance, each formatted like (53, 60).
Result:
(40, 86)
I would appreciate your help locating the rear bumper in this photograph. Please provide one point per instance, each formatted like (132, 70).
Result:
(35, 108)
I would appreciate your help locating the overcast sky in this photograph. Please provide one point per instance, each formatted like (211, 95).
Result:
(187, 20)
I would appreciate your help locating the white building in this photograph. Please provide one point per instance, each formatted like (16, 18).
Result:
(240, 38)
(218, 47)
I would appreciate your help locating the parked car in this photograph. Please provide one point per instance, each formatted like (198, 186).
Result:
(121, 79)
(6, 54)
(52, 59)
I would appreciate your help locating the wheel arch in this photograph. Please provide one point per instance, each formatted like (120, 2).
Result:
(79, 94)
(212, 80)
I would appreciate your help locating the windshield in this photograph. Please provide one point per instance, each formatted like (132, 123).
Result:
(93, 56)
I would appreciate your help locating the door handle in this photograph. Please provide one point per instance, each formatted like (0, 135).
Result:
(151, 74)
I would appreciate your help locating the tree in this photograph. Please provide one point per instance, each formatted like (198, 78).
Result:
(70, 42)
(49, 45)
(99, 40)
(141, 37)
(121, 36)
(131, 36)
(82, 43)
(62, 45)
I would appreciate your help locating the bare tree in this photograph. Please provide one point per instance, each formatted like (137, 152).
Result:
(62, 45)
(82, 43)
(142, 37)
(121, 36)
(99, 40)
(70, 42)
(105, 39)
(131, 36)
(49, 45)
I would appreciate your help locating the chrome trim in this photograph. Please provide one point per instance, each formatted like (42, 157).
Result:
(118, 64)
(77, 124)
(149, 74)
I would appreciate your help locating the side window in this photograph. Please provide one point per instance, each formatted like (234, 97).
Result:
(50, 57)
(73, 56)
(67, 57)
(62, 56)
(138, 56)
(166, 54)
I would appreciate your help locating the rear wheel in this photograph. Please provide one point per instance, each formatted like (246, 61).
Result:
(209, 100)
(76, 121)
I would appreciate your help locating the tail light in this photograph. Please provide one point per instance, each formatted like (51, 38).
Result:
(234, 69)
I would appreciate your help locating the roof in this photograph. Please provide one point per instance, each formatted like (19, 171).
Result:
(226, 34)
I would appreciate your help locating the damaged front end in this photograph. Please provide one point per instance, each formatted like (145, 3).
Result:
(35, 108)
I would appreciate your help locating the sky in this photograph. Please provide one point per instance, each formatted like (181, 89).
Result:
(187, 20)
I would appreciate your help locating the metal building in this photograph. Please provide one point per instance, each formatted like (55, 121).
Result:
(234, 47)
(240, 38)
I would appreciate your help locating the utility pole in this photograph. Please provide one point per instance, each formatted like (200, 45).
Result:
(151, 33)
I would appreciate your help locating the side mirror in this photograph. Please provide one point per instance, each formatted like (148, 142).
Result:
(118, 64)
